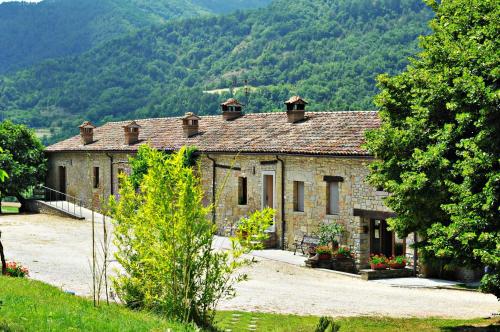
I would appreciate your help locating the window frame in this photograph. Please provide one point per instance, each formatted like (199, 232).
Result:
(96, 177)
(242, 190)
(298, 196)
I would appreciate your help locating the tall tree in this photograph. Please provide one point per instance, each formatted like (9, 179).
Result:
(22, 159)
(438, 148)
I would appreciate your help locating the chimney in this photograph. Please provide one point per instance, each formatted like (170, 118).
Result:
(295, 109)
(190, 124)
(131, 133)
(87, 132)
(231, 109)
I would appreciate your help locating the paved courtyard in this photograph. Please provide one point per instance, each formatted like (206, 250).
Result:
(58, 250)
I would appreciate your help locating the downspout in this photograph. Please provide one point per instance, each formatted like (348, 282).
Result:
(283, 224)
(111, 172)
(213, 189)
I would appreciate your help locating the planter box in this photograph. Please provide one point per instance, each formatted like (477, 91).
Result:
(344, 265)
(385, 274)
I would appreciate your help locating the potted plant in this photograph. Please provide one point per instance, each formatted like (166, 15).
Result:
(324, 253)
(343, 253)
(328, 234)
(378, 262)
(397, 263)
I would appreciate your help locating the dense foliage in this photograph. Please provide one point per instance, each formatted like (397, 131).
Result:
(327, 51)
(439, 145)
(31, 32)
(166, 244)
(22, 159)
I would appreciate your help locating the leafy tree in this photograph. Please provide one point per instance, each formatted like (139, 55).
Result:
(438, 149)
(22, 159)
(165, 243)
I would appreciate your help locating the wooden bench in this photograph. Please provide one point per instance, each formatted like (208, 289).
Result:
(307, 241)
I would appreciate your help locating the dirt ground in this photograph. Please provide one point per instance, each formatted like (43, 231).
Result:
(58, 251)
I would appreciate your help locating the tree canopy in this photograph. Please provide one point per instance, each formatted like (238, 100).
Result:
(438, 150)
(329, 52)
(32, 32)
(22, 159)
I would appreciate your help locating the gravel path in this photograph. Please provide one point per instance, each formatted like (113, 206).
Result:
(58, 250)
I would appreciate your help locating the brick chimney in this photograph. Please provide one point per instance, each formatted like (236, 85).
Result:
(231, 109)
(295, 109)
(87, 132)
(131, 133)
(190, 124)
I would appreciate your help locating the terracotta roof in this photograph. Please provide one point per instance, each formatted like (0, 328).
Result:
(296, 100)
(322, 133)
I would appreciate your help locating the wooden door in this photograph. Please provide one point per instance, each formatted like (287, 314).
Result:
(62, 182)
(381, 239)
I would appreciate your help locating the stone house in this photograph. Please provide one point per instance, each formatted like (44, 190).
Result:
(309, 166)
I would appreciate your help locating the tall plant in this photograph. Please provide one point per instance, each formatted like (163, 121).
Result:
(438, 149)
(165, 243)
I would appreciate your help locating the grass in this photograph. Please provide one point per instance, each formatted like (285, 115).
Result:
(29, 305)
(241, 321)
(10, 209)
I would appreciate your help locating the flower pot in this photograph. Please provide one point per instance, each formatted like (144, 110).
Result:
(379, 266)
(341, 257)
(397, 266)
(324, 257)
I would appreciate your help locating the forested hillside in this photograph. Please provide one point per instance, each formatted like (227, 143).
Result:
(30, 32)
(327, 51)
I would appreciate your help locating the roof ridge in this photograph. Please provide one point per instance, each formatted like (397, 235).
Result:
(244, 114)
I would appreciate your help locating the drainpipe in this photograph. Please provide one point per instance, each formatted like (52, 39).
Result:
(111, 172)
(213, 189)
(415, 254)
(283, 224)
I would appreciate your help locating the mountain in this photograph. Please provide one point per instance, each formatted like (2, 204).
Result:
(30, 32)
(329, 52)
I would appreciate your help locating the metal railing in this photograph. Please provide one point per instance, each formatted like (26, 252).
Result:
(62, 201)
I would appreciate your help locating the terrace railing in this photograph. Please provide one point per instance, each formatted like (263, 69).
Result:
(59, 200)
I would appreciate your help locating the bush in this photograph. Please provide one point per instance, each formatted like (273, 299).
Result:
(251, 232)
(490, 283)
(329, 233)
(165, 242)
(16, 270)
(327, 324)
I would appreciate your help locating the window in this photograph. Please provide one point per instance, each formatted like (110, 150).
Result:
(332, 195)
(298, 196)
(96, 177)
(242, 191)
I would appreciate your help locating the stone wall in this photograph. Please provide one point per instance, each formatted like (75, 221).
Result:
(79, 174)
(355, 193)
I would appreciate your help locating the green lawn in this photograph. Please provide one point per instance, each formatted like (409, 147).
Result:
(10, 209)
(28, 305)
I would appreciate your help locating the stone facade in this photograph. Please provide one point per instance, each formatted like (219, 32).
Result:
(79, 168)
(354, 192)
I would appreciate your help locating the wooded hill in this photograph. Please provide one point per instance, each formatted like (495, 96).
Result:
(328, 51)
(31, 32)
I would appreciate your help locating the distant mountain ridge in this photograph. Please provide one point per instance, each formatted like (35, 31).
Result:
(329, 52)
(31, 32)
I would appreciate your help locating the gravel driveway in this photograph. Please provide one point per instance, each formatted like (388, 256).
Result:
(58, 250)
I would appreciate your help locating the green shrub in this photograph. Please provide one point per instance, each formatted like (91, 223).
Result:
(165, 241)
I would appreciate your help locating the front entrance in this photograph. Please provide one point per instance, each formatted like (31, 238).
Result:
(383, 241)
(62, 183)
(268, 192)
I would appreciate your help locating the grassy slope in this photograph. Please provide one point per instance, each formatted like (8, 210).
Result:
(29, 305)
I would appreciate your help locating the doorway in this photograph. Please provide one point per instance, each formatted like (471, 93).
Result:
(381, 239)
(62, 183)
(269, 192)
